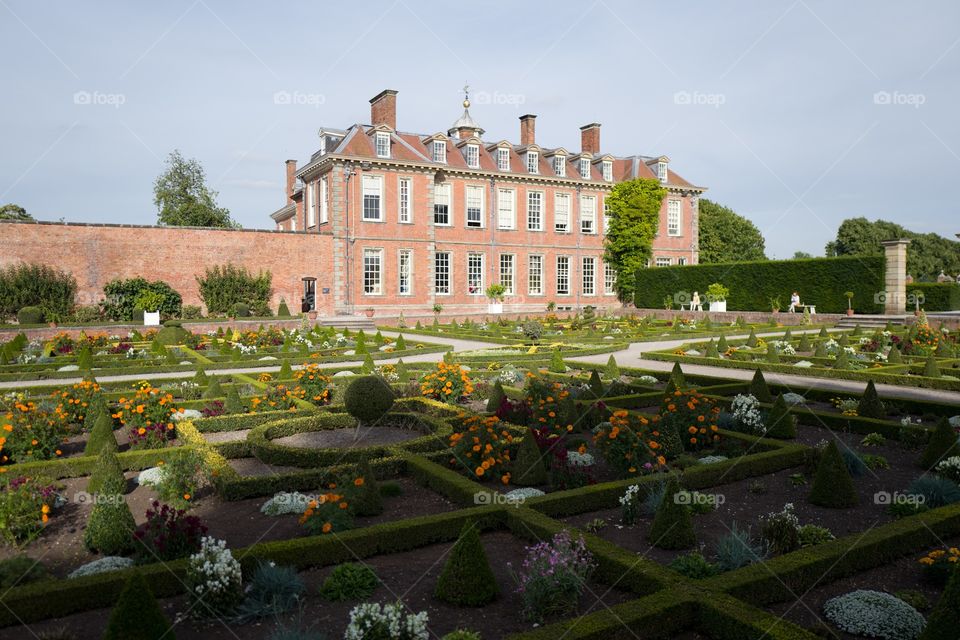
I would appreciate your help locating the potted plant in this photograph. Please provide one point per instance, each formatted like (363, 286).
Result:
(150, 302)
(437, 309)
(717, 296)
(667, 303)
(775, 304)
(917, 296)
(495, 293)
(849, 295)
(368, 312)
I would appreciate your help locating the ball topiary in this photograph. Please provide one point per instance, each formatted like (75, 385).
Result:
(172, 333)
(944, 620)
(110, 526)
(137, 614)
(759, 388)
(528, 469)
(942, 444)
(780, 422)
(30, 315)
(672, 526)
(101, 435)
(368, 398)
(467, 579)
(870, 404)
(240, 310)
(832, 484)
(874, 614)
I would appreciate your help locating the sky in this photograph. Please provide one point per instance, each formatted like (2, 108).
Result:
(796, 114)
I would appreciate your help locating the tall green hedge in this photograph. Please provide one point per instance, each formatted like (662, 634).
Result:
(819, 281)
(36, 285)
(937, 296)
(223, 286)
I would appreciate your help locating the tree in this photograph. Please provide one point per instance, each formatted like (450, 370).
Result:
(801, 255)
(14, 212)
(927, 254)
(183, 198)
(634, 218)
(726, 236)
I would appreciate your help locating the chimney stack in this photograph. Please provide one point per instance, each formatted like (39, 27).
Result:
(590, 138)
(291, 178)
(383, 108)
(528, 124)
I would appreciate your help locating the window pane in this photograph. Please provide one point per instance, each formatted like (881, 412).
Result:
(404, 200)
(475, 273)
(563, 275)
(588, 214)
(588, 272)
(535, 275)
(534, 211)
(441, 204)
(371, 271)
(506, 210)
(474, 202)
(441, 277)
(372, 189)
(405, 267)
(561, 212)
(506, 272)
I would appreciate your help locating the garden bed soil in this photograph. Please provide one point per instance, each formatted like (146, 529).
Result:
(410, 576)
(373, 436)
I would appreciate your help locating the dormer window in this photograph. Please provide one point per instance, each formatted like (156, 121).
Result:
(473, 156)
(585, 168)
(503, 159)
(383, 145)
(560, 165)
(662, 171)
(439, 151)
(533, 162)
(608, 170)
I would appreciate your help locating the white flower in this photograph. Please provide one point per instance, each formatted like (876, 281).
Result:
(746, 411)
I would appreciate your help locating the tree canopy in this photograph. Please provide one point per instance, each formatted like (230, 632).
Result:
(14, 212)
(184, 200)
(801, 255)
(726, 236)
(634, 214)
(927, 254)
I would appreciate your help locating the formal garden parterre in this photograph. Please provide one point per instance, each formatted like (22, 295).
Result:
(539, 498)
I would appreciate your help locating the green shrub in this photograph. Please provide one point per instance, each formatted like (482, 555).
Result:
(349, 581)
(283, 311)
(942, 444)
(101, 435)
(467, 579)
(722, 345)
(672, 526)
(462, 634)
(110, 526)
(223, 286)
(496, 397)
(528, 469)
(752, 340)
(711, 351)
(286, 371)
(916, 599)
(20, 570)
(944, 620)
(368, 365)
(870, 404)
(556, 362)
(239, 310)
(107, 476)
(694, 565)
(832, 485)
(272, 591)
(368, 398)
(172, 334)
(30, 315)
(736, 549)
(936, 491)
(759, 388)
(36, 285)
(781, 423)
(191, 312)
(233, 404)
(930, 367)
(612, 371)
(893, 356)
(804, 344)
(124, 297)
(213, 390)
(137, 614)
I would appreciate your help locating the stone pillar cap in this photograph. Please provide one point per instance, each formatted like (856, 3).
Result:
(891, 243)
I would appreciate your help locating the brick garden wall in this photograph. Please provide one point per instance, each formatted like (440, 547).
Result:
(98, 253)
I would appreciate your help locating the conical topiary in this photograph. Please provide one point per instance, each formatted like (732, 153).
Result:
(368, 365)
(759, 388)
(832, 484)
(213, 390)
(787, 336)
(596, 385)
(870, 404)
(711, 351)
(844, 341)
(378, 339)
(930, 367)
(200, 377)
(820, 351)
(110, 526)
(233, 404)
(96, 406)
(556, 362)
(752, 340)
(612, 370)
(841, 362)
(286, 371)
(403, 373)
(107, 473)
(944, 620)
(283, 311)
(418, 325)
(676, 381)
(466, 579)
(857, 330)
(773, 356)
(942, 445)
(400, 344)
(722, 345)
(893, 355)
(496, 398)
(672, 526)
(823, 333)
(101, 435)
(528, 469)
(781, 423)
(804, 344)
(369, 502)
(137, 614)
(85, 360)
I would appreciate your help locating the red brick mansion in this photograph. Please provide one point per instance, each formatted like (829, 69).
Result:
(419, 219)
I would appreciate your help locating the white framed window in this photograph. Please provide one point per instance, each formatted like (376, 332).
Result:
(404, 200)
(475, 270)
(439, 151)
(473, 156)
(561, 212)
(609, 279)
(383, 144)
(441, 204)
(507, 275)
(563, 275)
(588, 214)
(560, 165)
(324, 196)
(506, 209)
(585, 168)
(662, 171)
(606, 216)
(373, 272)
(681, 261)
(588, 275)
(405, 272)
(533, 162)
(663, 262)
(474, 205)
(503, 159)
(608, 170)
(441, 273)
(293, 223)
(372, 197)
(673, 217)
(311, 204)
(534, 211)
(535, 275)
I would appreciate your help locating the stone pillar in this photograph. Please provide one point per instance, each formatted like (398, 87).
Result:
(895, 279)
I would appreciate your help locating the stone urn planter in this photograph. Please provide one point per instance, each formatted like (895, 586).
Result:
(312, 315)
(368, 313)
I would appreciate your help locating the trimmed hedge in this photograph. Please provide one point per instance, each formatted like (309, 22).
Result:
(937, 296)
(822, 282)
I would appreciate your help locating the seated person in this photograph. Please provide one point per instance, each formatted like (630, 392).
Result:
(794, 301)
(695, 302)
